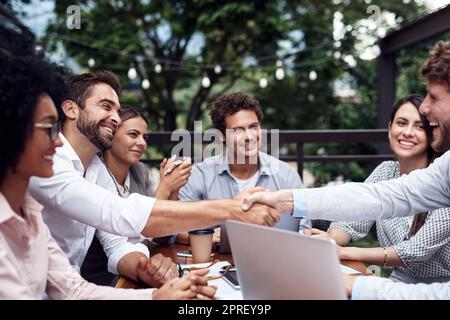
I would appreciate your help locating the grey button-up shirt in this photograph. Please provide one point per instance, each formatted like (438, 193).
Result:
(212, 179)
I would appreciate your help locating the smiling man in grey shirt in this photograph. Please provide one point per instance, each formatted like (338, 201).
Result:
(242, 165)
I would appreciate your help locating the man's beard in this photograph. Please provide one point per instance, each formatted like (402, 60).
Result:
(444, 144)
(91, 130)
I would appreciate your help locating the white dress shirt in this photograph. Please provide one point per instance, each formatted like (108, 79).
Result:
(124, 192)
(376, 288)
(421, 190)
(77, 202)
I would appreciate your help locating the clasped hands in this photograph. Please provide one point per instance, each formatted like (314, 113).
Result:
(160, 272)
(281, 200)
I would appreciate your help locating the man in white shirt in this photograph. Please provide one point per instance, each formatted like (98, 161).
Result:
(75, 204)
(419, 191)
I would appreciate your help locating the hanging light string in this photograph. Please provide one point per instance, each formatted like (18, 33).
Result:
(219, 67)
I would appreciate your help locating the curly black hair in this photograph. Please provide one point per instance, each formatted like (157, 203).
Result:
(23, 79)
(227, 105)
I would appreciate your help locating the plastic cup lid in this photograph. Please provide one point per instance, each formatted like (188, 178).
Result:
(202, 231)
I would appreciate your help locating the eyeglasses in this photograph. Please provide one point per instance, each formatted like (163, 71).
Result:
(223, 272)
(53, 129)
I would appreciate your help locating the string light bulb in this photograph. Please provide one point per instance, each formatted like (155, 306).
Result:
(145, 84)
(91, 62)
(263, 83)
(279, 74)
(312, 75)
(206, 82)
(38, 49)
(158, 68)
(132, 74)
(217, 69)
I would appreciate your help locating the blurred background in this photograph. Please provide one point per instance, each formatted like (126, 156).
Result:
(311, 64)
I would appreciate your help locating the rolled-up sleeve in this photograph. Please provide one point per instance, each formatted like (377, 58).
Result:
(355, 230)
(83, 201)
(117, 247)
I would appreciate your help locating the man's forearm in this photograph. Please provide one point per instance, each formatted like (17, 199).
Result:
(170, 217)
(162, 193)
(127, 265)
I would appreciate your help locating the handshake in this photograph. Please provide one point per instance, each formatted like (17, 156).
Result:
(262, 206)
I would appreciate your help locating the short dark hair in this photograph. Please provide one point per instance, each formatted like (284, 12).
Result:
(22, 80)
(437, 66)
(79, 87)
(128, 112)
(227, 105)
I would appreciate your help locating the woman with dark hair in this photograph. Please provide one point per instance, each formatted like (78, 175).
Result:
(31, 263)
(130, 175)
(417, 247)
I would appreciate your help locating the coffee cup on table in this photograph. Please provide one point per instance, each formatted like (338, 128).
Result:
(201, 245)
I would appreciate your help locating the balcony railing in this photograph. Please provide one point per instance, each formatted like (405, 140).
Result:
(300, 138)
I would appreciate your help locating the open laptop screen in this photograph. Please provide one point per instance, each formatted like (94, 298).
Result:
(286, 222)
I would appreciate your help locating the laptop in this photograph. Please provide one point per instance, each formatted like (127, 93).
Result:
(278, 264)
(287, 222)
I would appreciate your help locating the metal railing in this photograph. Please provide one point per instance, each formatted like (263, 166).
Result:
(300, 138)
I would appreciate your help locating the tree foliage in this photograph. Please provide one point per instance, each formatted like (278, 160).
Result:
(150, 32)
(300, 103)
(246, 38)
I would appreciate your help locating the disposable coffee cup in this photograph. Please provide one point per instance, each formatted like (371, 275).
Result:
(201, 244)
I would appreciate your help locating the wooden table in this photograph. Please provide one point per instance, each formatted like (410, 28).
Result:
(172, 249)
